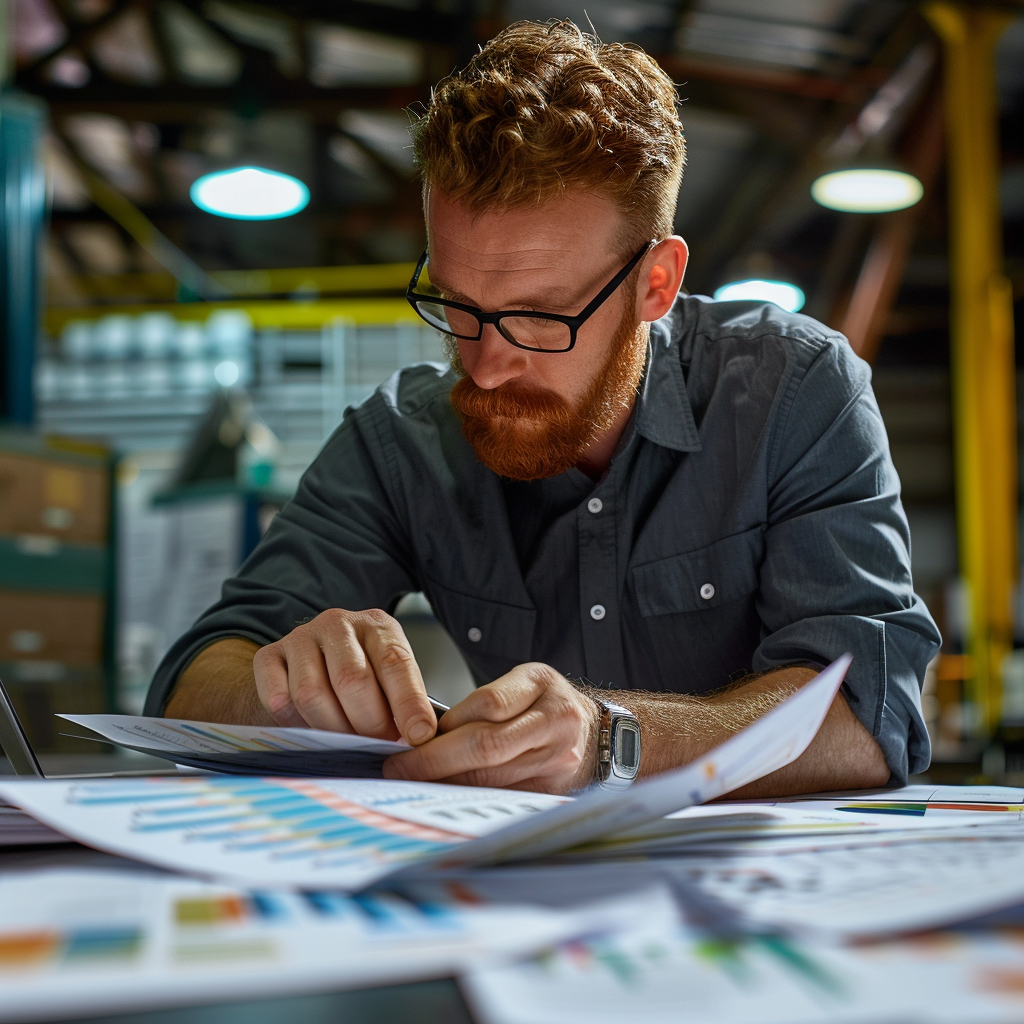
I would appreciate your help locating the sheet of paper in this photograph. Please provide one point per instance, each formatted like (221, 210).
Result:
(768, 744)
(326, 832)
(673, 976)
(1006, 795)
(246, 750)
(174, 735)
(933, 808)
(81, 942)
(864, 891)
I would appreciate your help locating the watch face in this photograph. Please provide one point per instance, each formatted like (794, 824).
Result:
(627, 747)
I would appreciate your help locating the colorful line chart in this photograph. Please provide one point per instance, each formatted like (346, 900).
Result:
(300, 832)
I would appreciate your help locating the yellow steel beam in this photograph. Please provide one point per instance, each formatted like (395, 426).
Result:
(308, 282)
(981, 345)
(383, 277)
(282, 314)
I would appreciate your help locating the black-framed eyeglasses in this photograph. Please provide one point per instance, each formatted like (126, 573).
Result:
(524, 328)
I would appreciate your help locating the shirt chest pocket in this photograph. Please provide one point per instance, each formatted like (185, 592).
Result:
(484, 627)
(703, 579)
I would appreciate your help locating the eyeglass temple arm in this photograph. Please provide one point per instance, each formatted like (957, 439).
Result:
(414, 280)
(614, 283)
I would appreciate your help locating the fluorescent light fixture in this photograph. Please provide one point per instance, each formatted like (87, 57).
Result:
(249, 193)
(782, 293)
(867, 190)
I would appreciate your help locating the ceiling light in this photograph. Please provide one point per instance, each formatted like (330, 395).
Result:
(249, 193)
(867, 190)
(782, 293)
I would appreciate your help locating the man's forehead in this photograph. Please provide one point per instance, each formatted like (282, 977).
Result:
(448, 250)
(543, 238)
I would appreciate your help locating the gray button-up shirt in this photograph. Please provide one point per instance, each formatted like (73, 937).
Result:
(750, 518)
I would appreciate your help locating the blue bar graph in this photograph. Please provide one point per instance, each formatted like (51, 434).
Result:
(282, 819)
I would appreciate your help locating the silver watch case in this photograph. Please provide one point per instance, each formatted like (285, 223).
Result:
(618, 747)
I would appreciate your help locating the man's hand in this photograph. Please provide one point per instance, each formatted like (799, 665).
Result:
(530, 729)
(347, 672)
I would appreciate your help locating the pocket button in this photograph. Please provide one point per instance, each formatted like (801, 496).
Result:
(707, 591)
(474, 635)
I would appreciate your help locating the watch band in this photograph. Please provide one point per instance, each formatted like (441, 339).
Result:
(618, 746)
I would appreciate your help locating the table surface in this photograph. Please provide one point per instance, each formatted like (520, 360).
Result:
(427, 1002)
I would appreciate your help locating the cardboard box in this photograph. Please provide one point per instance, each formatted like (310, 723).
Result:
(59, 497)
(66, 629)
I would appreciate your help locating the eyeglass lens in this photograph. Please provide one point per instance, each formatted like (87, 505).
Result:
(530, 332)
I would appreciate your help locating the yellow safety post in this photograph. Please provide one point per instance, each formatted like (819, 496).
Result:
(984, 402)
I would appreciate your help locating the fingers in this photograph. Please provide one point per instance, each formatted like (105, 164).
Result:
(398, 675)
(346, 672)
(528, 730)
(511, 695)
(522, 772)
(352, 681)
(294, 687)
(475, 746)
(272, 685)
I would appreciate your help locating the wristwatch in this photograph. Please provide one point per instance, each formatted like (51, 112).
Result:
(618, 746)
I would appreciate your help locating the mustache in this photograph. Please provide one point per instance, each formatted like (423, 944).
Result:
(511, 400)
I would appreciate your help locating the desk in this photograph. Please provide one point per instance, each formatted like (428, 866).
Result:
(428, 1002)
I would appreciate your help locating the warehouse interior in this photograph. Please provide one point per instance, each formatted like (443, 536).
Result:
(168, 373)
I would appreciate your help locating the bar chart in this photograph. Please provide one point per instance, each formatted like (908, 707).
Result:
(307, 833)
(275, 821)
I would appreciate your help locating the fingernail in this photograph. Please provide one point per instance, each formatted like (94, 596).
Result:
(420, 732)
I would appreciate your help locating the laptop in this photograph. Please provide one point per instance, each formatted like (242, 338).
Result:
(14, 742)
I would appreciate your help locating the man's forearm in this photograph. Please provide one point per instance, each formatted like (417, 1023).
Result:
(677, 728)
(219, 686)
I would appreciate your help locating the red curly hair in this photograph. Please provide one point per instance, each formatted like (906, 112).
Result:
(545, 109)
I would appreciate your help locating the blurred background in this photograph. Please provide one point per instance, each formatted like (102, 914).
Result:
(179, 337)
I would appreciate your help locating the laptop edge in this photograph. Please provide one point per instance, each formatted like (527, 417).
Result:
(15, 744)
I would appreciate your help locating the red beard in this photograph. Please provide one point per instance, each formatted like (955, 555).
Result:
(527, 433)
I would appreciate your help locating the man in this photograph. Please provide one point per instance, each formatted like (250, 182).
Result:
(678, 506)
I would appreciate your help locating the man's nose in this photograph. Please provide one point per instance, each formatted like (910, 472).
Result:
(492, 361)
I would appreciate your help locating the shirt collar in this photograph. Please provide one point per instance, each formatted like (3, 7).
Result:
(665, 415)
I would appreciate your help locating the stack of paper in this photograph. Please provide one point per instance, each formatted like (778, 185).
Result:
(733, 912)
(20, 829)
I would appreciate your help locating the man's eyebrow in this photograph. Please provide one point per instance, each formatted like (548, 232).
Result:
(556, 298)
(450, 292)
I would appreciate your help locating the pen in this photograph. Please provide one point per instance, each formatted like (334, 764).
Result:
(439, 708)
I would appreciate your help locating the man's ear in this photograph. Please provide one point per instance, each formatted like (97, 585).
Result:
(661, 274)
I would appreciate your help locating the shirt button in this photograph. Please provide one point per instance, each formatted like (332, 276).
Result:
(597, 612)
(475, 635)
(595, 505)
(707, 591)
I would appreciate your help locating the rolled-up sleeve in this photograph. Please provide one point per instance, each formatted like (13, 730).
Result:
(836, 573)
(336, 544)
